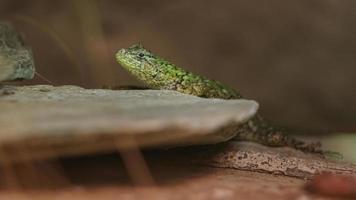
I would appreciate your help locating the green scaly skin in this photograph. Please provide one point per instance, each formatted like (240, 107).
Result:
(158, 73)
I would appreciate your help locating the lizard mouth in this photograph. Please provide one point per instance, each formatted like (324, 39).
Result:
(128, 61)
(120, 55)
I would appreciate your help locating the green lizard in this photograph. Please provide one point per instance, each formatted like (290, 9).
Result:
(158, 73)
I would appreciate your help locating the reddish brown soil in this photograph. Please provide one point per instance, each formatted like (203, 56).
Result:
(104, 177)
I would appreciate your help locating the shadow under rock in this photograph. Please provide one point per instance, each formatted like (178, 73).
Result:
(166, 167)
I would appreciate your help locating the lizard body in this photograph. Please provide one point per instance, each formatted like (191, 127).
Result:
(158, 73)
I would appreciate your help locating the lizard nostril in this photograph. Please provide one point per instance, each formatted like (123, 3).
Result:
(121, 52)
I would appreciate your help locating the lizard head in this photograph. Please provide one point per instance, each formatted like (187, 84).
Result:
(140, 62)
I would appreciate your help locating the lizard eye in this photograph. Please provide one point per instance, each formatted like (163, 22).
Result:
(141, 55)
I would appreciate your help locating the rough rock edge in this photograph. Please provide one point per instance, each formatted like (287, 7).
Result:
(280, 161)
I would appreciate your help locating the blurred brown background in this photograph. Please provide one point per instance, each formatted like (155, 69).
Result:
(297, 58)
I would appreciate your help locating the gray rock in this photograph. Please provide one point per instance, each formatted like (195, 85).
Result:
(48, 121)
(16, 61)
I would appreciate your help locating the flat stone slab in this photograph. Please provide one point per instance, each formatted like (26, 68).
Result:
(43, 121)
